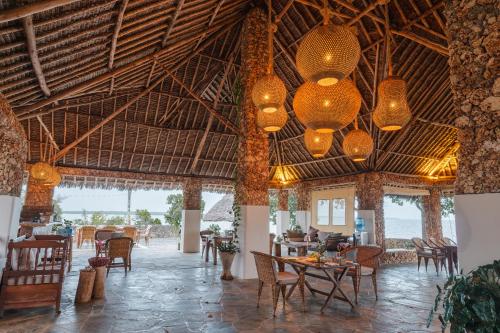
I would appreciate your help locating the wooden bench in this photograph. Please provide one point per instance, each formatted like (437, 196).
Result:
(34, 273)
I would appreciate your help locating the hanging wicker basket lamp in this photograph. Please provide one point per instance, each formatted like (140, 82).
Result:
(392, 111)
(41, 171)
(357, 145)
(327, 109)
(269, 93)
(318, 144)
(272, 122)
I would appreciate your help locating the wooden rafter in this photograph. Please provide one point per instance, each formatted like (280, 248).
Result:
(423, 41)
(33, 52)
(32, 8)
(48, 133)
(114, 39)
(178, 9)
(445, 160)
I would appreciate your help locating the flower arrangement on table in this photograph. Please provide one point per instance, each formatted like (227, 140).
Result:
(342, 246)
(318, 254)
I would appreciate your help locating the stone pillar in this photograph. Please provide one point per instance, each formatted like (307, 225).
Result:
(13, 151)
(474, 45)
(432, 214)
(252, 176)
(370, 194)
(283, 214)
(191, 216)
(38, 201)
(303, 215)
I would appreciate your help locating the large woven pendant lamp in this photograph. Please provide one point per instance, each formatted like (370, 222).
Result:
(328, 53)
(272, 122)
(327, 108)
(40, 171)
(318, 144)
(392, 111)
(53, 180)
(269, 92)
(357, 144)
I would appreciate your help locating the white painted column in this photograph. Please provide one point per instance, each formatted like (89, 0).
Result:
(303, 218)
(253, 235)
(477, 219)
(282, 221)
(190, 233)
(10, 211)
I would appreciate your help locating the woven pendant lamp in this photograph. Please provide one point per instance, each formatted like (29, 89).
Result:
(392, 111)
(41, 171)
(328, 53)
(357, 145)
(318, 144)
(272, 122)
(327, 109)
(53, 180)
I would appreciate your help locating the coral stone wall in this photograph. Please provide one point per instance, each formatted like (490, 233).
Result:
(432, 214)
(303, 193)
(283, 200)
(38, 201)
(192, 194)
(253, 153)
(13, 151)
(370, 193)
(474, 43)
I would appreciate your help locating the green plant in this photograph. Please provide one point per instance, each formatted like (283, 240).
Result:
(98, 219)
(228, 247)
(173, 217)
(236, 210)
(115, 220)
(471, 303)
(273, 207)
(215, 228)
(296, 227)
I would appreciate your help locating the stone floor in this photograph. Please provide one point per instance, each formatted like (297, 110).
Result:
(167, 291)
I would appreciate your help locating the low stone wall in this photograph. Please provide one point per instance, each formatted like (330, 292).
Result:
(399, 256)
(399, 243)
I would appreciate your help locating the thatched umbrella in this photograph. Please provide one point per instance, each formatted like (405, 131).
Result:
(222, 211)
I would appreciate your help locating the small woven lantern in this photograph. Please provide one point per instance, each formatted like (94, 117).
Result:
(392, 111)
(41, 171)
(318, 144)
(283, 175)
(357, 145)
(269, 93)
(272, 122)
(328, 54)
(327, 109)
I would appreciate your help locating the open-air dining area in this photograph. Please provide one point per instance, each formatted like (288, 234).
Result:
(250, 166)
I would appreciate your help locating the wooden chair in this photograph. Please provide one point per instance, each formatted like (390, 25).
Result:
(368, 258)
(58, 255)
(449, 241)
(110, 227)
(101, 236)
(205, 245)
(278, 281)
(87, 232)
(119, 248)
(428, 252)
(147, 235)
(130, 232)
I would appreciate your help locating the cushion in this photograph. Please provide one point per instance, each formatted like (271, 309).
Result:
(312, 233)
(323, 236)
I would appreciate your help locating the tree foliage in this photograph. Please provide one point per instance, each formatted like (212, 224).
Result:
(411, 199)
(98, 218)
(173, 216)
(273, 207)
(447, 206)
(292, 207)
(56, 208)
(115, 220)
(143, 217)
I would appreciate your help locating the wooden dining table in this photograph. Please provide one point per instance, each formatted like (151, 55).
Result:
(212, 242)
(333, 272)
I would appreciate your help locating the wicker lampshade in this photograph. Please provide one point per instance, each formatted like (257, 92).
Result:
(272, 122)
(41, 171)
(392, 111)
(357, 145)
(283, 175)
(328, 54)
(269, 93)
(327, 109)
(53, 180)
(318, 144)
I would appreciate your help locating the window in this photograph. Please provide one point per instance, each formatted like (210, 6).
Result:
(323, 212)
(338, 211)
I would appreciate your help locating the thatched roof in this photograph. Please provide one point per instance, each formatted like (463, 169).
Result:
(130, 85)
(221, 211)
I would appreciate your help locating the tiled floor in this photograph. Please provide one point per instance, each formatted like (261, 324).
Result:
(172, 292)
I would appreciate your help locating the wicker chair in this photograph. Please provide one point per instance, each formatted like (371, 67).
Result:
(119, 248)
(449, 241)
(428, 252)
(368, 258)
(204, 240)
(130, 232)
(87, 232)
(110, 227)
(101, 236)
(277, 280)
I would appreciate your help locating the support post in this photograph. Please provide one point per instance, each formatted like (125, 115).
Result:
(191, 216)
(370, 193)
(38, 201)
(283, 214)
(303, 214)
(474, 45)
(432, 214)
(253, 154)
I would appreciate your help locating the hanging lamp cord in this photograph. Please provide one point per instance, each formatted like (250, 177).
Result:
(325, 12)
(388, 40)
(271, 29)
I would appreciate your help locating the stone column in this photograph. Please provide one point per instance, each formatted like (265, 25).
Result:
(370, 193)
(303, 214)
(283, 214)
(13, 151)
(253, 153)
(38, 201)
(191, 216)
(474, 45)
(432, 214)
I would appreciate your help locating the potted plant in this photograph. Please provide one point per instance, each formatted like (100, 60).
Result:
(215, 228)
(227, 251)
(470, 303)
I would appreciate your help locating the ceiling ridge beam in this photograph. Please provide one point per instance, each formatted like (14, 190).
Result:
(33, 53)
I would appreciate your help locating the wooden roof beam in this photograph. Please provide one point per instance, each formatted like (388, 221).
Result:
(445, 160)
(33, 53)
(48, 133)
(178, 9)
(32, 8)
(366, 11)
(114, 39)
(423, 41)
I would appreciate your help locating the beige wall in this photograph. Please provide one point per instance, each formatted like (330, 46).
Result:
(346, 193)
